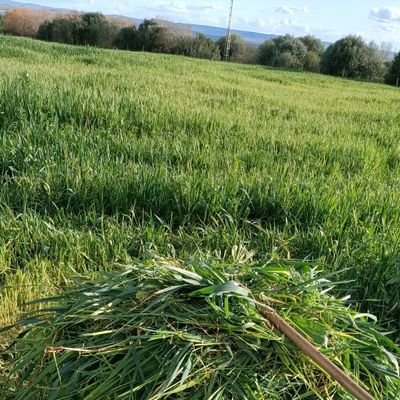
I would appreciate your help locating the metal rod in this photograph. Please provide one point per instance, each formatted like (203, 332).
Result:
(228, 34)
(311, 351)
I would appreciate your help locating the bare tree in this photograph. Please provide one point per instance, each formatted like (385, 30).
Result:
(24, 22)
(386, 51)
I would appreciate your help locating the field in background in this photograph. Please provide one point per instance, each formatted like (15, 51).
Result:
(108, 156)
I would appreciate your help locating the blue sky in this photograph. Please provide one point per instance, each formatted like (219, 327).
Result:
(329, 20)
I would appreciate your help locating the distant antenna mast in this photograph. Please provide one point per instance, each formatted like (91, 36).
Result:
(228, 34)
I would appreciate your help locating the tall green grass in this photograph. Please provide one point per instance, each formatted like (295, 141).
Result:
(95, 144)
(109, 157)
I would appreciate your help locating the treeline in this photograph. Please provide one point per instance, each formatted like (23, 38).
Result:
(350, 57)
(95, 29)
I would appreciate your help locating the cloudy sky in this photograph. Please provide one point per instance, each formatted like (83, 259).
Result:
(329, 20)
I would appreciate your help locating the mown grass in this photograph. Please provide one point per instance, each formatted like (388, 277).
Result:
(107, 157)
(167, 330)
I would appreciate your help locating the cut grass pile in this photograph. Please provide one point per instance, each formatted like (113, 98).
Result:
(164, 330)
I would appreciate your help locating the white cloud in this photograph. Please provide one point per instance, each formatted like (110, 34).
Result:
(385, 14)
(292, 10)
(389, 28)
(272, 26)
(180, 11)
(181, 7)
(387, 18)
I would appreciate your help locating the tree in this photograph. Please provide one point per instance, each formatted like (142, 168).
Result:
(198, 46)
(158, 36)
(285, 51)
(61, 30)
(386, 51)
(393, 75)
(313, 44)
(312, 62)
(288, 60)
(119, 22)
(249, 55)
(153, 36)
(267, 53)
(351, 57)
(128, 39)
(96, 30)
(1, 23)
(23, 22)
(237, 47)
(45, 31)
(64, 30)
(91, 29)
(315, 49)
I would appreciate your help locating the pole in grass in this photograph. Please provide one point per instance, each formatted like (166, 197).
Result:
(397, 82)
(311, 351)
(228, 33)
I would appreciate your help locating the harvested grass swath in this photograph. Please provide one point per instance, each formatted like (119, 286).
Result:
(332, 370)
(170, 330)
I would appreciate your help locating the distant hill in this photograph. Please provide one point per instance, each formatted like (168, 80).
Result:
(211, 32)
(215, 33)
(9, 4)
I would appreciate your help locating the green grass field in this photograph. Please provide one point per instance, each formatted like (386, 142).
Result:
(108, 157)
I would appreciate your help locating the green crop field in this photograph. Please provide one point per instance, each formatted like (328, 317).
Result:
(110, 157)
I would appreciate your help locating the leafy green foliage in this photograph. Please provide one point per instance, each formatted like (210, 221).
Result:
(162, 330)
(128, 38)
(313, 44)
(315, 49)
(95, 30)
(60, 30)
(237, 49)
(353, 58)
(312, 62)
(197, 46)
(284, 51)
(87, 29)
(393, 75)
(154, 37)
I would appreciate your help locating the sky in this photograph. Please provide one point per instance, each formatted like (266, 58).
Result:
(328, 20)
